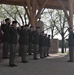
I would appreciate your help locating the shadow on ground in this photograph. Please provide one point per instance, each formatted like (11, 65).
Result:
(55, 64)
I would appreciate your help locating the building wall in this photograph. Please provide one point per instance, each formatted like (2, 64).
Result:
(54, 46)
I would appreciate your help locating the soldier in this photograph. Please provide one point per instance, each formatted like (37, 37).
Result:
(30, 41)
(48, 44)
(45, 47)
(5, 28)
(13, 42)
(71, 45)
(41, 44)
(36, 42)
(24, 43)
(19, 32)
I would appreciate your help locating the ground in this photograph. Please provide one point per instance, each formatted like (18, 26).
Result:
(55, 64)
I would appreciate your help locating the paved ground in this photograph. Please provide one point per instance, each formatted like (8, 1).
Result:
(56, 64)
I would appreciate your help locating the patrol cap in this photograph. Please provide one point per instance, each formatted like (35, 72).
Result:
(49, 35)
(22, 26)
(7, 19)
(42, 32)
(26, 25)
(14, 22)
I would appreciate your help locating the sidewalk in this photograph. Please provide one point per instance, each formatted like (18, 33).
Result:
(56, 64)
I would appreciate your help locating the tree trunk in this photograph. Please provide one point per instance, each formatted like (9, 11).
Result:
(62, 47)
(52, 33)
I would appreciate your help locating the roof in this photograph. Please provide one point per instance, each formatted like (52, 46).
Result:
(54, 4)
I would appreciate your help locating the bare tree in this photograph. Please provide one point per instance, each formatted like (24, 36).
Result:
(58, 24)
(15, 12)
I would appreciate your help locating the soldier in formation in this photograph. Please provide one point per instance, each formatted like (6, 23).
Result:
(13, 43)
(5, 29)
(31, 41)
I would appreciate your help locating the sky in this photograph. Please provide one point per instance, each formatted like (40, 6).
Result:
(45, 19)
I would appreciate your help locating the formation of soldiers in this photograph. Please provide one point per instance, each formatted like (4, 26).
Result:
(31, 41)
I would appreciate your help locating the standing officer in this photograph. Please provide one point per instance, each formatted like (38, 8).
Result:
(30, 41)
(36, 42)
(24, 43)
(71, 44)
(48, 44)
(5, 29)
(13, 42)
